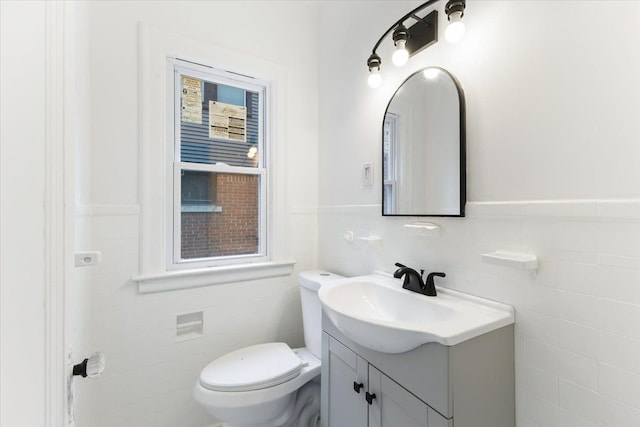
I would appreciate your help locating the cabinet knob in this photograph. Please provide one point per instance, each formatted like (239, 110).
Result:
(357, 387)
(369, 398)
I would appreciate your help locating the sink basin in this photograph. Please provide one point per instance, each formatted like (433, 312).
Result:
(375, 312)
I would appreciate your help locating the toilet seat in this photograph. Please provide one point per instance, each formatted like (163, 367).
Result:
(252, 368)
(239, 399)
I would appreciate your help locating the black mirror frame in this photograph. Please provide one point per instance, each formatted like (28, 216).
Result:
(463, 143)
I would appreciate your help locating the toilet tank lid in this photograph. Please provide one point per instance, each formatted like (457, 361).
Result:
(313, 279)
(252, 368)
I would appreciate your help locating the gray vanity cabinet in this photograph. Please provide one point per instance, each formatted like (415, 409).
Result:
(345, 386)
(418, 388)
(394, 406)
(359, 395)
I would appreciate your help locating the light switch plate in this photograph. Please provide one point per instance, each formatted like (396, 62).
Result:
(367, 174)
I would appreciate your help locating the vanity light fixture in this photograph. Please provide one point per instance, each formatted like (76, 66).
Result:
(423, 33)
(455, 11)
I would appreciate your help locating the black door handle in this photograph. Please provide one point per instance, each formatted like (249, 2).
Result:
(369, 398)
(357, 387)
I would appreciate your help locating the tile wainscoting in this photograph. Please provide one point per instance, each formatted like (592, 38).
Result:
(577, 318)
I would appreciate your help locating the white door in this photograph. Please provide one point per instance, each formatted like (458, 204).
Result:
(22, 217)
(32, 219)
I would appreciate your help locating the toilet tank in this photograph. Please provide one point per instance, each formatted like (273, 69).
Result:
(310, 282)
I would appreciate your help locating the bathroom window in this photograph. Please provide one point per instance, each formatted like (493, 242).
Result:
(210, 142)
(218, 207)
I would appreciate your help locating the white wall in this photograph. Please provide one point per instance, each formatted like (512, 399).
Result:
(149, 377)
(22, 218)
(553, 102)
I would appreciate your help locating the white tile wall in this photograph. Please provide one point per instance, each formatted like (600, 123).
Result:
(577, 320)
(544, 413)
(597, 407)
(539, 383)
(149, 376)
(619, 384)
(620, 351)
(555, 134)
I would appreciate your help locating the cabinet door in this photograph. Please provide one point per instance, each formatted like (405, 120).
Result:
(346, 384)
(393, 406)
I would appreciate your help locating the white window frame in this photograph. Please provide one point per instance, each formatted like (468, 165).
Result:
(157, 47)
(177, 69)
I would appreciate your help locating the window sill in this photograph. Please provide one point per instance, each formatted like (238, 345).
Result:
(187, 279)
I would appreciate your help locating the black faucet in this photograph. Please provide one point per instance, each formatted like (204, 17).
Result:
(413, 280)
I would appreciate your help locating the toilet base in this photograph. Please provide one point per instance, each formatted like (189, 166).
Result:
(303, 410)
(306, 412)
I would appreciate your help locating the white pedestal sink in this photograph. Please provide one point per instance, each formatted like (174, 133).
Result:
(375, 312)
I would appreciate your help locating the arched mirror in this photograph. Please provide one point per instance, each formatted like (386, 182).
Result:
(423, 147)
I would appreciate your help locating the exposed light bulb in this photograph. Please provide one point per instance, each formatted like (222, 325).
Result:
(455, 29)
(401, 55)
(375, 78)
(252, 152)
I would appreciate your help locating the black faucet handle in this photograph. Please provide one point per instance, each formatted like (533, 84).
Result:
(400, 265)
(431, 275)
(429, 285)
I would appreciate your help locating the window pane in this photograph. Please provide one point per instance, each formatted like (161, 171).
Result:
(219, 214)
(197, 190)
(237, 146)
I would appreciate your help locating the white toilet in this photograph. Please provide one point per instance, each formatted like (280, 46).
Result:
(270, 385)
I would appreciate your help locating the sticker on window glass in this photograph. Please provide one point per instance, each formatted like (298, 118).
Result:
(191, 100)
(227, 121)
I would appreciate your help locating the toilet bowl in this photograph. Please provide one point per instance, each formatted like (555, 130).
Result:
(270, 385)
